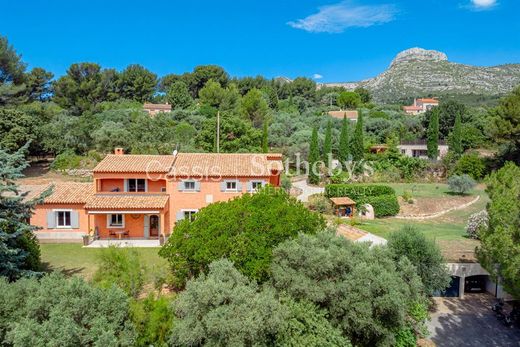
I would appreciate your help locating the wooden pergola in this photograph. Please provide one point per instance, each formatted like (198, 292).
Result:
(343, 206)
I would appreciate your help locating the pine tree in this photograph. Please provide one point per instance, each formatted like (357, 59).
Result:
(344, 143)
(265, 138)
(456, 137)
(314, 157)
(327, 145)
(357, 147)
(19, 249)
(433, 135)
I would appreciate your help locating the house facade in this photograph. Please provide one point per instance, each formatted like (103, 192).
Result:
(143, 196)
(153, 109)
(421, 105)
(419, 149)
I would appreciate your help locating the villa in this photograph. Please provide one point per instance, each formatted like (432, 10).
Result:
(421, 105)
(143, 196)
(419, 149)
(153, 109)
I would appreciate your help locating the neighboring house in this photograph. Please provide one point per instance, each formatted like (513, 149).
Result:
(351, 114)
(421, 105)
(142, 196)
(154, 109)
(419, 149)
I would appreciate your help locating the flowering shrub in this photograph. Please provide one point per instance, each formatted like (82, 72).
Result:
(477, 222)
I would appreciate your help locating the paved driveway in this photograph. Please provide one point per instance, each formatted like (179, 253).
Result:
(307, 190)
(470, 322)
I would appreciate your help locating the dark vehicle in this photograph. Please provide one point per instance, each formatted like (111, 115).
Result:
(475, 284)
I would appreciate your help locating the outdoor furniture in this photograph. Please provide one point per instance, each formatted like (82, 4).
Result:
(111, 233)
(119, 234)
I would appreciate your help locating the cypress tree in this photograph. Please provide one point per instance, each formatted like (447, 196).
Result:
(314, 157)
(358, 148)
(265, 138)
(327, 145)
(433, 135)
(19, 248)
(456, 137)
(344, 145)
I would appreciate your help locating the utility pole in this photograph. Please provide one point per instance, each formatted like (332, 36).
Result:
(218, 131)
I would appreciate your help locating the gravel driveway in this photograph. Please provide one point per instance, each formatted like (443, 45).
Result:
(307, 190)
(470, 322)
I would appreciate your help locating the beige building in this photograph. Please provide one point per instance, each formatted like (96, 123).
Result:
(419, 149)
(153, 109)
(421, 105)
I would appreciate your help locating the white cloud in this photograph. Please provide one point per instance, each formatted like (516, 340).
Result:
(482, 4)
(336, 18)
(317, 76)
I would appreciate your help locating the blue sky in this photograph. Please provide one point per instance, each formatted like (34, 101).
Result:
(338, 40)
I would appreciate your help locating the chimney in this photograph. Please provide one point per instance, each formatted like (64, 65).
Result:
(119, 151)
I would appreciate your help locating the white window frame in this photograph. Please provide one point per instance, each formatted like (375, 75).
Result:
(56, 216)
(109, 221)
(127, 185)
(185, 189)
(253, 189)
(190, 211)
(232, 189)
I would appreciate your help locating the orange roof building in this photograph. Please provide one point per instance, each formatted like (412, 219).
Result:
(421, 105)
(143, 196)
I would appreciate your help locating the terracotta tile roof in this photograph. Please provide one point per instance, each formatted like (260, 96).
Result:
(226, 164)
(340, 114)
(412, 108)
(343, 201)
(127, 201)
(428, 100)
(135, 163)
(62, 192)
(148, 106)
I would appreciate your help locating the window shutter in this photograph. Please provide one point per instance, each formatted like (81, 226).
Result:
(223, 186)
(179, 216)
(74, 219)
(197, 186)
(239, 186)
(249, 186)
(264, 183)
(126, 185)
(180, 186)
(51, 220)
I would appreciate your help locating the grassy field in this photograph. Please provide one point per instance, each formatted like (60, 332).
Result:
(73, 259)
(450, 226)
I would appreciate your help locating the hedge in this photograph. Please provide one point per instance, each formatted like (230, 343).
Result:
(382, 198)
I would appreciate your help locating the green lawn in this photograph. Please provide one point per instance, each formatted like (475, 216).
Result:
(450, 226)
(73, 259)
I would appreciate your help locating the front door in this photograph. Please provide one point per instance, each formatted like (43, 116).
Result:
(154, 225)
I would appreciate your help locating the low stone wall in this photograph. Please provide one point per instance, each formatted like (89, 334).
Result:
(59, 236)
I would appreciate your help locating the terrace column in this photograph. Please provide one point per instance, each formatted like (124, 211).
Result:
(462, 282)
(161, 225)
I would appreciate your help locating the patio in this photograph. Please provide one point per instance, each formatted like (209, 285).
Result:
(140, 243)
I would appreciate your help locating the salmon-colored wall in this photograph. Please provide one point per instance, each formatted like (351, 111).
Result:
(110, 184)
(133, 223)
(107, 183)
(39, 217)
(196, 200)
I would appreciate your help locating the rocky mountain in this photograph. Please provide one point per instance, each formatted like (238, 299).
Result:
(418, 72)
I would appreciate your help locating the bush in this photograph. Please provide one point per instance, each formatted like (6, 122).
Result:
(153, 321)
(66, 160)
(56, 311)
(461, 184)
(244, 230)
(122, 267)
(382, 198)
(320, 203)
(286, 183)
(470, 164)
(477, 222)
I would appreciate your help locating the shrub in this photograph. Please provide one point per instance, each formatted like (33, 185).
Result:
(66, 160)
(470, 164)
(244, 230)
(477, 222)
(320, 203)
(407, 196)
(382, 198)
(225, 308)
(461, 184)
(286, 183)
(122, 267)
(365, 293)
(56, 311)
(153, 321)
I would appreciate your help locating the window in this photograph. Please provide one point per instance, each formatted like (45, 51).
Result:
(189, 185)
(255, 185)
(136, 185)
(190, 215)
(231, 185)
(116, 221)
(63, 219)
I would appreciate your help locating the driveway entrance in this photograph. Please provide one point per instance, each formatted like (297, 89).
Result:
(469, 322)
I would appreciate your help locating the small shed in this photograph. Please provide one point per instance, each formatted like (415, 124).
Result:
(343, 206)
